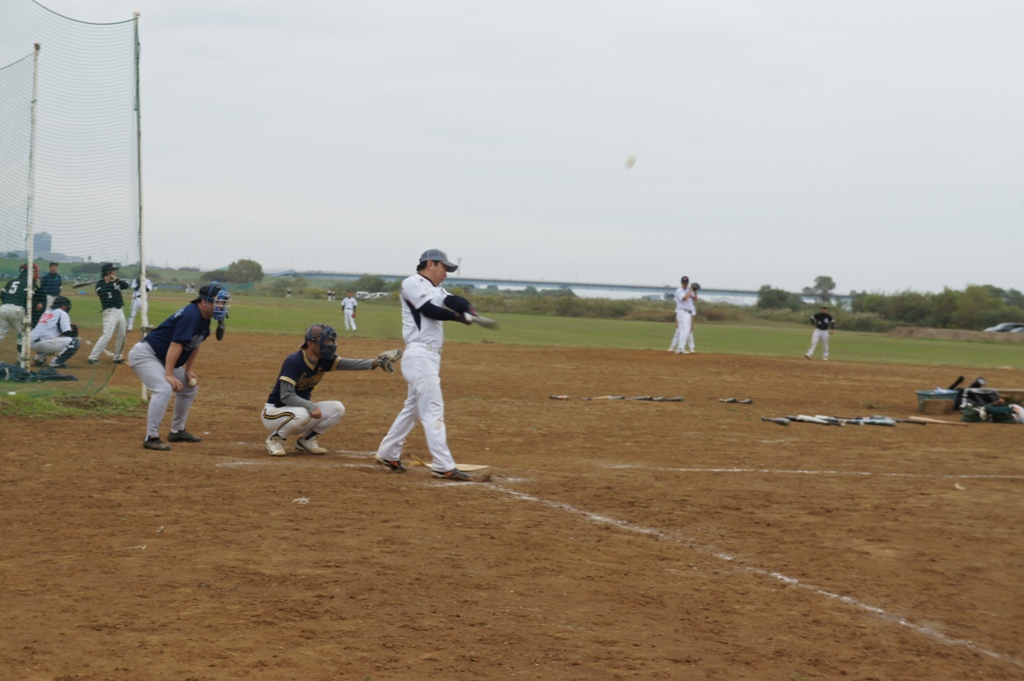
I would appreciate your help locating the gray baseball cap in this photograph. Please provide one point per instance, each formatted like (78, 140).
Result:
(441, 257)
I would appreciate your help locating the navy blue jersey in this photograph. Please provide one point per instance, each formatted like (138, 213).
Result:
(303, 373)
(823, 321)
(186, 326)
(51, 283)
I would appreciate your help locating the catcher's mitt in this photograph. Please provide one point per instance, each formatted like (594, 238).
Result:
(386, 360)
(695, 286)
(73, 331)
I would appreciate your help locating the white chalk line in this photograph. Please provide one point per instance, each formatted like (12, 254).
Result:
(791, 581)
(798, 471)
(711, 551)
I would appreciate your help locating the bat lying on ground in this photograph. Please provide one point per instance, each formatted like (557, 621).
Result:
(780, 421)
(733, 400)
(606, 397)
(875, 420)
(480, 320)
(804, 418)
(559, 397)
(925, 421)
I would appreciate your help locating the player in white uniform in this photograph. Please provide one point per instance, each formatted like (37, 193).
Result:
(55, 334)
(425, 305)
(686, 310)
(348, 304)
(137, 298)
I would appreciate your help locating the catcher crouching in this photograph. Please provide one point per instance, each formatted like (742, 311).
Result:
(289, 410)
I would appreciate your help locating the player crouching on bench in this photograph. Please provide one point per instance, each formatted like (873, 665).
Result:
(289, 411)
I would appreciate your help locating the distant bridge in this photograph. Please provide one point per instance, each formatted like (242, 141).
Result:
(737, 296)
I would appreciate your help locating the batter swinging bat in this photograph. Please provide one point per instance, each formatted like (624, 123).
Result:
(479, 320)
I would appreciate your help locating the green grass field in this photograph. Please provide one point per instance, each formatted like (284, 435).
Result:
(381, 319)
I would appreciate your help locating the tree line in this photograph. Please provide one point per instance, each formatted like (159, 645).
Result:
(974, 308)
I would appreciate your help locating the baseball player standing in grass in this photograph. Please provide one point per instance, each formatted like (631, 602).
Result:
(165, 362)
(686, 308)
(51, 283)
(289, 411)
(137, 284)
(348, 304)
(425, 305)
(824, 326)
(109, 290)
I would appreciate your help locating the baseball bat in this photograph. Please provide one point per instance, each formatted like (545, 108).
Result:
(84, 283)
(958, 381)
(925, 420)
(479, 320)
(804, 418)
(780, 421)
(606, 397)
(644, 398)
(559, 397)
(831, 420)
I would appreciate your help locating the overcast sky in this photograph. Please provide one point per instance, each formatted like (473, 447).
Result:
(876, 142)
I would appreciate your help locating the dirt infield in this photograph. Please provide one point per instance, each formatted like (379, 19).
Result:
(617, 539)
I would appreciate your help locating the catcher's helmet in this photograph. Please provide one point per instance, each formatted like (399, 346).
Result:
(61, 301)
(219, 296)
(326, 337)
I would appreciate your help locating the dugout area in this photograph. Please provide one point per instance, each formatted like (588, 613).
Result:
(616, 540)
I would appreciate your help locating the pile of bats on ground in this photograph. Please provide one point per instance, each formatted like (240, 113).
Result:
(857, 420)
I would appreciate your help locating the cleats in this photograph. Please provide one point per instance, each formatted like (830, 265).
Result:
(309, 445)
(395, 466)
(275, 446)
(454, 474)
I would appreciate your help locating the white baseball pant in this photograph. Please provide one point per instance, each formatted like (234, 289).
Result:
(11, 317)
(684, 330)
(150, 370)
(350, 321)
(421, 368)
(136, 305)
(819, 335)
(288, 421)
(113, 326)
(61, 346)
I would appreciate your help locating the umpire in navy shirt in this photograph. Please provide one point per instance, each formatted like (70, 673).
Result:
(165, 362)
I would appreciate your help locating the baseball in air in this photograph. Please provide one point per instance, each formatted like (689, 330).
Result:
(193, 382)
(630, 162)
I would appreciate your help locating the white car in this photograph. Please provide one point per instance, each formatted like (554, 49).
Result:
(1016, 327)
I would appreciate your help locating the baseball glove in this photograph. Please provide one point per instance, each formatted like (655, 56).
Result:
(695, 286)
(386, 360)
(73, 332)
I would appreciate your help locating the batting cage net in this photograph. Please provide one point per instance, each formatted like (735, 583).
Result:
(69, 189)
